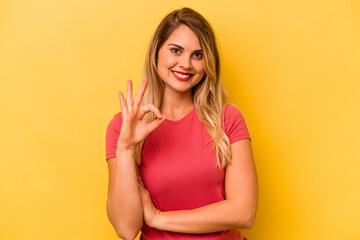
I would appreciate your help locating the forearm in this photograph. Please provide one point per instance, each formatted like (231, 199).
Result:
(216, 217)
(124, 205)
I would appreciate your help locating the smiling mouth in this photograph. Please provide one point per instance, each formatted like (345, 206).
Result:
(182, 77)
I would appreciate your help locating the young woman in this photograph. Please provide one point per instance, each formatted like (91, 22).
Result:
(185, 170)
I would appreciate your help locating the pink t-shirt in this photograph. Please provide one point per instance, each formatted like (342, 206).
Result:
(179, 169)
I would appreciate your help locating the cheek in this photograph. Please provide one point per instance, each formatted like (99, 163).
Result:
(199, 67)
(166, 60)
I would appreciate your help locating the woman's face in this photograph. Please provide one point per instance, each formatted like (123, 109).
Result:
(180, 60)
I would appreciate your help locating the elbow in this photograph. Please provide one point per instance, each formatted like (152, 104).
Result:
(127, 230)
(125, 227)
(249, 223)
(245, 220)
(127, 233)
(127, 237)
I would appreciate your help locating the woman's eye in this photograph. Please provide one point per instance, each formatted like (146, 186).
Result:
(198, 55)
(175, 50)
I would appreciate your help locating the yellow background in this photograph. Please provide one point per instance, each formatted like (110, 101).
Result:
(292, 67)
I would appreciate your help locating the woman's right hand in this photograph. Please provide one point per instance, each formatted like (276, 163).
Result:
(133, 129)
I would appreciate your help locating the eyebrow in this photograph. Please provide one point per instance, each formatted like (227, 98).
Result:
(200, 50)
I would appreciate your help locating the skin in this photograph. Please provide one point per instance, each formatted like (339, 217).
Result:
(236, 211)
(124, 204)
(239, 208)
(180, 52)
(241, 187)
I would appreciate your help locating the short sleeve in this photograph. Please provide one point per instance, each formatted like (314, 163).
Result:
(234, 123)
(112, 136)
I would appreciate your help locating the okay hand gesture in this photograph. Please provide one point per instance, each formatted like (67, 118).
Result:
(134, 129)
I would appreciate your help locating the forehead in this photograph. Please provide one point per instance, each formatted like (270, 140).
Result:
(184, 37)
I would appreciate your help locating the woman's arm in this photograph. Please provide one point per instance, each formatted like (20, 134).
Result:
(237, 211)
(124, 206)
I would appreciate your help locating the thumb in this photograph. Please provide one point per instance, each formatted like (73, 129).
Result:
(157, 123)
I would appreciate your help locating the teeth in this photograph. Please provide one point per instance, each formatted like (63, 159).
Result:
(181, 75)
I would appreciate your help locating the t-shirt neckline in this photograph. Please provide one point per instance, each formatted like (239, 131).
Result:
(181, 120)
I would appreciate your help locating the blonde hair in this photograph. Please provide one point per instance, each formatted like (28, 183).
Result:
(209, 96)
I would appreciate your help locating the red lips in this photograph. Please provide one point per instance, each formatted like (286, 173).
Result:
(180, 78)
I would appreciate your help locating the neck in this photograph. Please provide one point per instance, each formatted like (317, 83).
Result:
(175, 104)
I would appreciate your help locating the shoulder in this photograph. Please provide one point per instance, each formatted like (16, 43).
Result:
(115, 122)
(234, 123)
(112, 135)
(231, 111)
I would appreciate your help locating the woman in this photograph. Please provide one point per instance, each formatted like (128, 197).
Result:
(185, 170)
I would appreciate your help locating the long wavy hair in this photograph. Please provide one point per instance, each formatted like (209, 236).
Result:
(209, 96)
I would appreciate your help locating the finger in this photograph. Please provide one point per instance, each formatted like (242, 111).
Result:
(129, 95)
(148, 108)
(156, 123)
(141, 182)
(142, 193)
(140, 93)
(145, 194)
(141, 188)
(122, 102)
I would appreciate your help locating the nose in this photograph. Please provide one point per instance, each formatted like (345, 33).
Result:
(185, 62)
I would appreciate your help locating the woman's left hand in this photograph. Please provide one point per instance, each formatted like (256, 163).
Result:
(151, 213)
